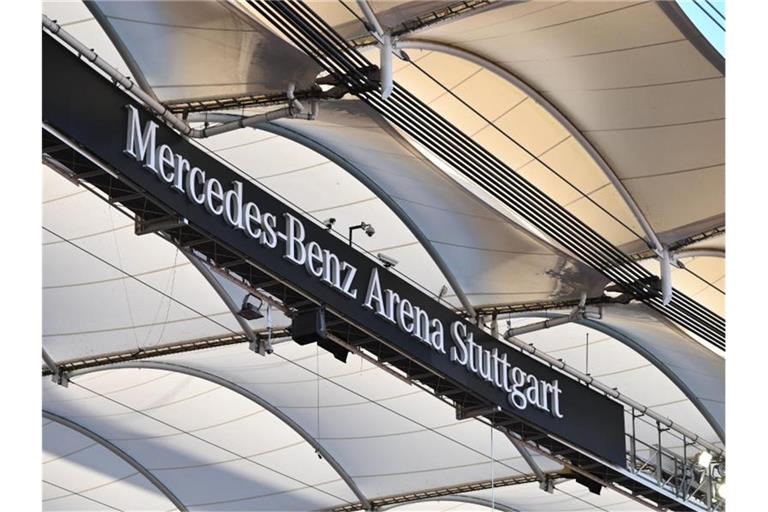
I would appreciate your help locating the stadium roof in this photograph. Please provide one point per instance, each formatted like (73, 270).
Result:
(615, 110)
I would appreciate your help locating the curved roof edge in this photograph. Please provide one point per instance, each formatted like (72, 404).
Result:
(677, 16)
(551, 109)
(342, 162)
(458, 498)
(146, 473)
(210, 377)
(666, 365)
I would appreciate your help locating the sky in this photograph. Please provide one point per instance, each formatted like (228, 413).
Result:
(695, 9)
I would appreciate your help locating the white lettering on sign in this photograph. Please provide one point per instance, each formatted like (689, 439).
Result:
(522, 389)
(226, 201)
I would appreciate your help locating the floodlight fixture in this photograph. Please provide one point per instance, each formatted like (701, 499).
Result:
(248, 311)
(329, 222)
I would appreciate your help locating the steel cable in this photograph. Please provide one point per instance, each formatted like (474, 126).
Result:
(454, 147)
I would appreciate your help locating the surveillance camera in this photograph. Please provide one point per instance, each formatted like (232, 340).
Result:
(369, 230)
(328, 223)
(388, 261)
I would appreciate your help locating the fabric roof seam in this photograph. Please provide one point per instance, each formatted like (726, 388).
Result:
(574, 132)
(242, 457)
(100, 486)
(134, 326)
(170, 366)
(69, 454)
(106, 280)
(120, 453)
(75, 493)
(680, 309)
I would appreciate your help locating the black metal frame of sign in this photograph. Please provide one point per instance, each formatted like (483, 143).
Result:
(95, 115)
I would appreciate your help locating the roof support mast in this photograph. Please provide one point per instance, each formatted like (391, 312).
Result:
(386, 47)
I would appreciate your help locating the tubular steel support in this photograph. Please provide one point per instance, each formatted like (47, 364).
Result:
(419, 44)
(57, 376)
(120, 453)
(230, 303)
(545, 482)
(210, 377)
(699, 253)
(316, 38)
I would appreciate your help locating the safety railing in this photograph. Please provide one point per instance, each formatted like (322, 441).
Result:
(675, 463)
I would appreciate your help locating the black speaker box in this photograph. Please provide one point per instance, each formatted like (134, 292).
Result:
(308, 326)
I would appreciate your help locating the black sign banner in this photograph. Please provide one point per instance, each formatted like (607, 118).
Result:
(125, 137)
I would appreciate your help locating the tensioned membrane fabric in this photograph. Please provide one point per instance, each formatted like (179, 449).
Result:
(513, 114)
(611, 362)
(389, 436)
(697, 371)
(79, 473)
(632, 82)
(92, 308)
(192, 51)
(509, 265)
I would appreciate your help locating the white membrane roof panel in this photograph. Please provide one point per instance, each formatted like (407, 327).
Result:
(632, 82)
(505, 262)
(202, 458)
(81, 474)
(188, 50)
(389, 436)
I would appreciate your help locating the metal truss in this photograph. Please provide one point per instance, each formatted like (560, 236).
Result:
(71, 365)
(86, 168)
(439, 492)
